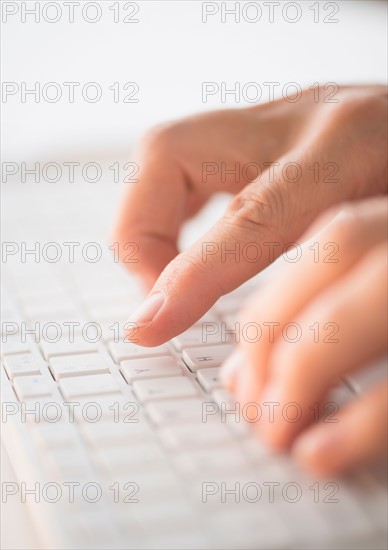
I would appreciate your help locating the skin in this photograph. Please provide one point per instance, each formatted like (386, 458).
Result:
(349, 135)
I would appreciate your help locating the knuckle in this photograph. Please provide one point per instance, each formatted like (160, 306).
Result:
(362, 103)
(253, 211)
(183, 271)
(160, 138)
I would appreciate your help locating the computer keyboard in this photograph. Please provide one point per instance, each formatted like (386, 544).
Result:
(119, 446)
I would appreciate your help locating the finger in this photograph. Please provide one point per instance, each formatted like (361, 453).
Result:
(343, 328)
(323, 259)
(359, 437)
(149, 218)
(182, 165)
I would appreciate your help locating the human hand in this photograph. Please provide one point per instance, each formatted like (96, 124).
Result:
(312, 155)
(338, 315)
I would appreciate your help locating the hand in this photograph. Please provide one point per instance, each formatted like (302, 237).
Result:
(339, 311)
(311, 156)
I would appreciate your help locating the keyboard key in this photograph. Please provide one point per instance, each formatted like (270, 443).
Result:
(172, 515)
(44, 410)
(95, 384)
(140, 456)
(31, 386)
(12, 344)
(164, 388)
(176, 410)
(65, 347)
(227, 458)
(69, 463)
(203, 357)
(75, 365)
(114, 408)
(199, 336)
(108, 313)
(21, 365)
(150, 367)
(102, 433)
(209, 378)
(194, 435)
(223, 398)
(45, 313)
(232, 528)
(128, 350)
(256, 451)
(54, 436)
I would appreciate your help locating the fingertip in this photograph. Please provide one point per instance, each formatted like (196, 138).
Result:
(319, 451)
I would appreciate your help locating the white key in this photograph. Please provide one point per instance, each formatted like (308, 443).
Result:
(112, 330)
(233, 528)
(69, 463)
(203, 357)
(150, 367)
(236, 422)
(20, 365)
(227, 458)
(194, 435)
(65, 347)
(46, 313)
(198, 336)
(238, 425)
(156, 480)
(13, 344)
(230, 321)
(92, 528)
(54, 436)
(31, 386)
(75, 365)
(171, 515)
(139, 456)
(44, 410)
(256, 451)
(176, 410)
(114, 408)
(128, 350)
(95, 384)
(105, 313)
(102, 433)
(37, 298)
(164, 388)
(209, 378)
(223, 398)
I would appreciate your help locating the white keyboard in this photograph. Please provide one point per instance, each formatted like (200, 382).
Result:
(130, 447)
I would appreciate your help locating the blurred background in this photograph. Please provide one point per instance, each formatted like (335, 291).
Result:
(168, 49)
(104, 72)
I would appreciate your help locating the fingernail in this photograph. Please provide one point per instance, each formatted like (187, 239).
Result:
(146, 312)
(230, 369)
